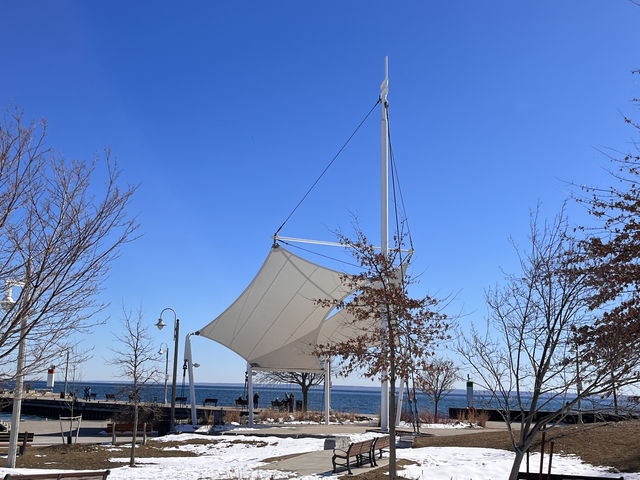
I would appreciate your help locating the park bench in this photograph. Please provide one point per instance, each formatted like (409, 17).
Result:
(210, 401)
(109, 396)
(242, 402)
(356, 450)
(127, 428)
(24, 439)
(100, 475)
(181, 400)
(280, 404)
(559, 476)
(380, 444)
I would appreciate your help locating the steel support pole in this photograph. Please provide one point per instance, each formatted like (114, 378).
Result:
(172, 418)
(166, 374)
(192, 388)
(250, 393)
(327, 390)
(399, 401)
(384, 222)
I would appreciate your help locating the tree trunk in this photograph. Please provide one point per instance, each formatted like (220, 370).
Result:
(392, 420)
(305, 397)
(132, 459)
(515, 468)
(615, 395)
(435, 411)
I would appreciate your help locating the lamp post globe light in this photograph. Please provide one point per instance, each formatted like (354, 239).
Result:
(176, 331)
(166, 368)
(7, 304)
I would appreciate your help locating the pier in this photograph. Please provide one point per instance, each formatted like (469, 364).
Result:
(48, 405)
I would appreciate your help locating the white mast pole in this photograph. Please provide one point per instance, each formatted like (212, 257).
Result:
(327, 390)
(384, 220)
(192, 390)
(250, 393)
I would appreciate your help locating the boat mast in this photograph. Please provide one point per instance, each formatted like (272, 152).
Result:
(384, 219)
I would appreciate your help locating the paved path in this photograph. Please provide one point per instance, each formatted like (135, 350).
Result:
(317, 463)
(93, 431)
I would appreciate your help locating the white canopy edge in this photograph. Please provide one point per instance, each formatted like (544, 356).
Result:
(276, 322)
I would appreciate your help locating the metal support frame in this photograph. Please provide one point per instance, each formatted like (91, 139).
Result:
(250, 393)
(384, 222)
(327, 390)
(176, 333)
(399, 401)
(324, 242)
(192, 389)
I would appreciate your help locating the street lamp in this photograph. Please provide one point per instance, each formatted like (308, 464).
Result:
(166, 369)
(176, 330)
(7, 304)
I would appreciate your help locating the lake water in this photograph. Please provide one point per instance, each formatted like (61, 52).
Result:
(364, 400)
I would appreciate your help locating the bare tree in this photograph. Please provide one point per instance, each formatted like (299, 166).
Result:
(397, 334)
(75, 357)
(137, 360)
(527, 358)
(60, 230)
(305, 380)
(437, 382)
(611, 252)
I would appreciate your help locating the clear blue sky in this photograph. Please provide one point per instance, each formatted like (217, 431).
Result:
(225, 112)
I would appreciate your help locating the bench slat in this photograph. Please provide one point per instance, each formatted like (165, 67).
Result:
(128, 427)
(96, 475)
(559, 476)
(357, 450)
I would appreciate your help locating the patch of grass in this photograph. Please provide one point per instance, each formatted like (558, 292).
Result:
(614, 444)
(380, 473)
(253, 443)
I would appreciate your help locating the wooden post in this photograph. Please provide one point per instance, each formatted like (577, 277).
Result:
(550, 460)
(541, 455)
(23, 447)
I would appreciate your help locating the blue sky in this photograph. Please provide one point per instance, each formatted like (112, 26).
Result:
(225, 112)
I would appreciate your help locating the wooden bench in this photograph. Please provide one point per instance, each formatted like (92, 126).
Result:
(101, 475)
(109, 396)
(210, 401)
(559, 476)
(24, 439)
(181, 400)
(356, 450)
(380, 444)
(128, 428)
(122, 428)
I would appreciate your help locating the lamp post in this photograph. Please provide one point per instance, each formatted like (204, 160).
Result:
(176, 330)
(166, 369)
(7, 304)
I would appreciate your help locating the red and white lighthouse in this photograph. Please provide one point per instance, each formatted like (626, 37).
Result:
(51, 376)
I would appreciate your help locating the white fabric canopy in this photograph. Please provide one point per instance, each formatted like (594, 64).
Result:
(275, 323)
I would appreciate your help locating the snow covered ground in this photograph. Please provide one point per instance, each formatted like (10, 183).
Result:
(238, 457)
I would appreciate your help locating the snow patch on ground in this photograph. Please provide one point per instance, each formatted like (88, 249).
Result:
(240, 456)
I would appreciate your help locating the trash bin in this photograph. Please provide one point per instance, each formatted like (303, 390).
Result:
(298, 405)
(164, 426)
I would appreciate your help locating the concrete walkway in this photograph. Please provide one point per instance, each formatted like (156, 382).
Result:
(318, 463)
(93, 431)
(48, 432)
